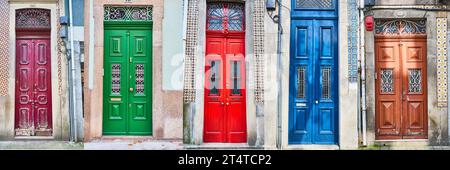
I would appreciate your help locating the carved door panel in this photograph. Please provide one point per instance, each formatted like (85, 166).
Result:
(33, 109)
(401, 105)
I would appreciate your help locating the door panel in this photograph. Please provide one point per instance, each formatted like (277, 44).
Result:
(33, 88)
(115, 82)
(388, 89)
(415, 121)
(24, 93)
(214, 92)
(225, 118)
(301, 109)
(401, 89)
(235, 90)
(313, 113)
(127, 82)
(43, 90)
(140, 122)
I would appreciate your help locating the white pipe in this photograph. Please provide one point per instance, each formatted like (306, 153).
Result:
(279, 77)
(72, 63)
(363, 73)
(185, 11)
(91, 45)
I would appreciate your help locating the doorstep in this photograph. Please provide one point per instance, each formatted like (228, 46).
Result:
(223, 146)
(133, 143)
(40, 145)
(32, 138)
(408, 144)
(310, 147)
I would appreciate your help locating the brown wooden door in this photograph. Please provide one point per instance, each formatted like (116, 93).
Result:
(401, 103)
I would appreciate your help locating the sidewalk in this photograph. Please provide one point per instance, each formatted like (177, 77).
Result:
(40, 145)
(405, 148)
(129, 144)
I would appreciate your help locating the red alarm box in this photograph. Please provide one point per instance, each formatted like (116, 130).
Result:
(368, 21)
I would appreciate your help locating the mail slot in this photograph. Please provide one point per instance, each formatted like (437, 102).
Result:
(116, 99)
(300, 104)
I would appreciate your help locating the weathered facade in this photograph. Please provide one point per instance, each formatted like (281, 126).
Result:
(268, 120)
(123, 89)
(409, 106)
(201, 125)
(33, 102)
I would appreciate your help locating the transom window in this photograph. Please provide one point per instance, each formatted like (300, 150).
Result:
(225, 16)
(314, 4)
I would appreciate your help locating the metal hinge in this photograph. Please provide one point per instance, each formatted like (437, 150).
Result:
(376, 75)
(103, 72)
(131, 59)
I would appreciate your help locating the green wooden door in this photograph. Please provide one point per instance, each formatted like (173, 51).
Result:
(127, 87)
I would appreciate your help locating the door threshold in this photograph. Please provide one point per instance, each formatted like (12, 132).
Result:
(311, 147)
(402, 140)
(223, 146)
(399, 144)
(34, 138)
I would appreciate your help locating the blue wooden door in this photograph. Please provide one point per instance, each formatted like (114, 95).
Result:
(313, 86)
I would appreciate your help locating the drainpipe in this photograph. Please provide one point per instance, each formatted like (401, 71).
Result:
(279, 65)
(185, 11)
(91, 45)
(363, 73)
(72, 64)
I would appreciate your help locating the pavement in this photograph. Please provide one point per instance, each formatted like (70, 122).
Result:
(145, 144)
(406, 148)
(129, 144)
(40, 145)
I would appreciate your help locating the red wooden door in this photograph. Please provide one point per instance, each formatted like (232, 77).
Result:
(225, 115)
(33, 112)
(225, 118)
(401, 104)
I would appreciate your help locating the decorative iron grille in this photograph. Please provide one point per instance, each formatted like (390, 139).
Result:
(387, 81)
(314, 4)
(115, 78)
(225, 16)
(415, 80)
(140, 79)
(33, 18)
(400, 27)
(301, 84)
(326, 82)
(128, 13)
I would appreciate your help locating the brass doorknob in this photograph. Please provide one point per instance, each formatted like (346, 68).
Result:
(131, 89)
(228, 104)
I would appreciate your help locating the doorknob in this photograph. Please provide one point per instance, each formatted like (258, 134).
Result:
(222, 103)
(228, 103)
(317, 101)
(131, 89)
